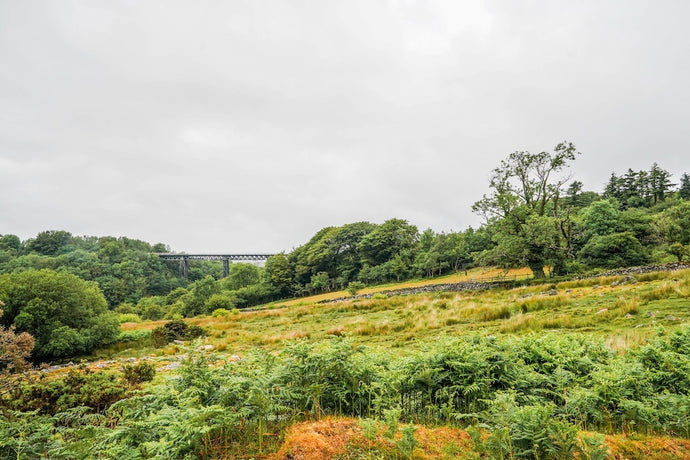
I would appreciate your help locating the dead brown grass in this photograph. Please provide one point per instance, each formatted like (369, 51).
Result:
(343, 438)
(648, 448)
(321, 440)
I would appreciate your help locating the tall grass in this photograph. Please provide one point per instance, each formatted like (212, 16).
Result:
(665, 291)
(537, 303)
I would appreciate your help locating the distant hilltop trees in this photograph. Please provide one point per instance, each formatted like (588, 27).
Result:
(535, 215)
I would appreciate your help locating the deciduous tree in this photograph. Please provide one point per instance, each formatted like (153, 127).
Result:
(65, 314)
(523, 207)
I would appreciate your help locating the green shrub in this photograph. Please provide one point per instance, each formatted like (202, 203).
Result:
(220, 312)
(80, 387)
(129, 318)
(133, 336)
(126, 307)
(354, 287)
(175, 330)
(220, 302)
(141, 372)
(152, 308)
(160, 336)
(65, 314)
(615, 250)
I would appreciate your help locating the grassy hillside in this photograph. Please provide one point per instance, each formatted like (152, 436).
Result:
(622, 310)
(596, 368)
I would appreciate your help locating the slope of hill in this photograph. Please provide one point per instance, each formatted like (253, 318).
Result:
(533, 371)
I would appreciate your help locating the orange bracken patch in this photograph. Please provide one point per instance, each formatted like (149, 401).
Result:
(433, 441)
(320, 440)
(648, 448)
(341, 437)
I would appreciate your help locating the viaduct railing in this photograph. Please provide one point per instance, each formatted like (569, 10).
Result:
(225, 258)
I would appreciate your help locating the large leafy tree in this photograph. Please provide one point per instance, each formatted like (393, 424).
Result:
(613, 250)
(279, 273)
(345, 248)
(65, 314)
(50, 242)
(393, 237)
(242, 275)
(529, 225)
(600, 218)
(315, 256)
(332, 250)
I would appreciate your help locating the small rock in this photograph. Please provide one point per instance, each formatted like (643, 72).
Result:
(178, 342)
(615, 283)
(234, 358)
(603, 310)
(568, 291)
(131, 360)
(172, 366)
(596, 286)
(207, 347)
(650, 314)
(552, 292)
(628, 315)
(671, 318)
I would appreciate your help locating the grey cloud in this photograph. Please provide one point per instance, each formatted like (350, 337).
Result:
(251, 125)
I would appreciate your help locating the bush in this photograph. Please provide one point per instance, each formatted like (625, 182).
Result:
(152, 308)
(355, 286)
(175, 330)
(135, 374)
(220, 302)
(160, 337)
(129, 318)
(219, 312)
(133, 336)
(80, 387)
(615, 250)
(65, 314)
(126, 307)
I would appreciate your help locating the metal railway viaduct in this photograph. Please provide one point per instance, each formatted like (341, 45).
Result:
(226, 258)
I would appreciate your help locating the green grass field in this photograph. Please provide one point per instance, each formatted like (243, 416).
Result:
(590, 369)
(623, 315)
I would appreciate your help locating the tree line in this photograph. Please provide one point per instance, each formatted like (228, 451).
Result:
(534, 214)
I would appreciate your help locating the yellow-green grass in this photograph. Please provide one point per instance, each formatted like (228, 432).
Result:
(623, 315)
(475, 274)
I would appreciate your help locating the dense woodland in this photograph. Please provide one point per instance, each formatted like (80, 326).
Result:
(63, 296)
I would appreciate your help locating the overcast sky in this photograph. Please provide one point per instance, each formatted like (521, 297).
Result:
(241, 126)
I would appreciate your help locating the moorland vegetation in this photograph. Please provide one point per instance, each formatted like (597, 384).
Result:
(493, 365)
